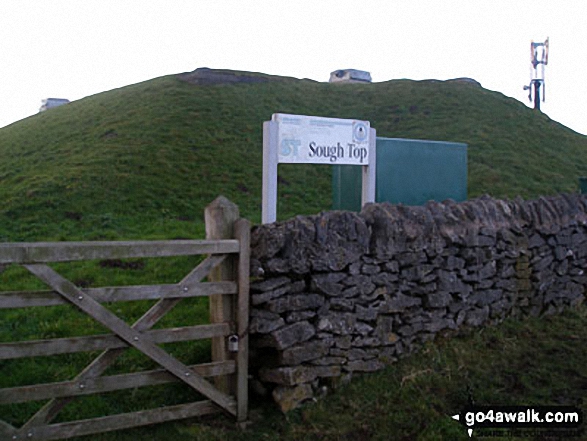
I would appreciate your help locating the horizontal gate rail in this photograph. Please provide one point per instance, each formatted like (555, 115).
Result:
(55, 346)
(118, 422)
(22, 394)
(233, 284)
(24, 299)
(43, 252)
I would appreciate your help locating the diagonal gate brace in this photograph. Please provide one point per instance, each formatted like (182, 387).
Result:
(52, 408)
(6, 430)
(131, 336)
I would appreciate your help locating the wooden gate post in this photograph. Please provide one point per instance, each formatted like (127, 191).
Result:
(220, 217)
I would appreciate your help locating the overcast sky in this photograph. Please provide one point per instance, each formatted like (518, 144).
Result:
(75, 48)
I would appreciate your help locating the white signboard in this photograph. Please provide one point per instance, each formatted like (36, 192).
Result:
(300, 139)
(316, 140)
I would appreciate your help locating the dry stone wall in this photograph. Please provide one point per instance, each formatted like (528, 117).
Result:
(344, 292)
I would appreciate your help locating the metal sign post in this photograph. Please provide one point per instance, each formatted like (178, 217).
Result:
(269, 191)
(300, 139)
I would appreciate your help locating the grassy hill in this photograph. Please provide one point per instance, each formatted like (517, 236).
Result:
(145, 159)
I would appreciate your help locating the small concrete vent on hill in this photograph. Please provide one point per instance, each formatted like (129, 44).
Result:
(49, 103)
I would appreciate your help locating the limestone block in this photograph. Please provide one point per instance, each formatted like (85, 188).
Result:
(291, 334)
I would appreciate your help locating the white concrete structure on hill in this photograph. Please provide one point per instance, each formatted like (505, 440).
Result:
(52, 102)
(350, 76)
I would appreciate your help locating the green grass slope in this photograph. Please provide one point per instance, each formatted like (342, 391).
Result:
(144, 160)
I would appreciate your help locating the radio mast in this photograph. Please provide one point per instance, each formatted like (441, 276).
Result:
(538, 59)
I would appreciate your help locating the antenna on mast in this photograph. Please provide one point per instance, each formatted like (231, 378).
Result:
(538, 59)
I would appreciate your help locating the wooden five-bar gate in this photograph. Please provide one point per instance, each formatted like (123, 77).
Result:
(227, 265)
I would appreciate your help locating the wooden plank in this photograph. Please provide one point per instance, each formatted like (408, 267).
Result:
(25, 299)
(22, 394)
(6, 430)
(243, 234)
(138, 340)
(117, 422)
(220, 217)
(165, 305)
(52, 408)
(41, 252)
(36, 348)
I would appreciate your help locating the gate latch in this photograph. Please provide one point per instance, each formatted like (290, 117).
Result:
(233, 343)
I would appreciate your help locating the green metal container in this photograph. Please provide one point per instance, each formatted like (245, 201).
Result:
(583, 185)
(409, 171)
